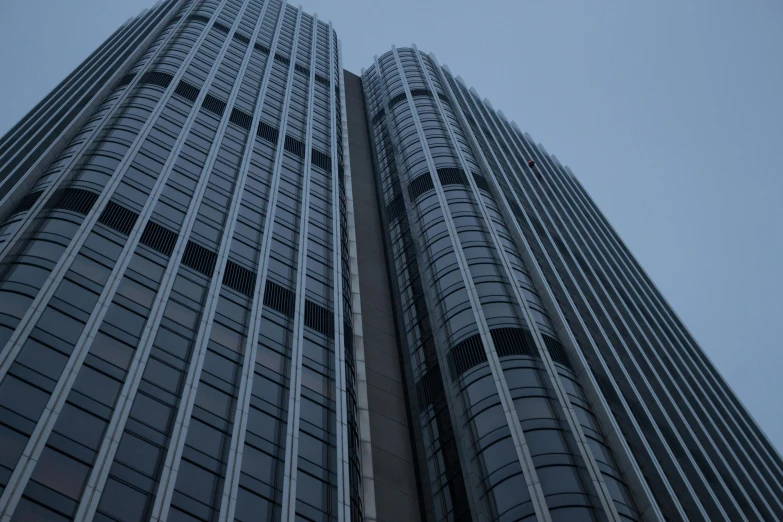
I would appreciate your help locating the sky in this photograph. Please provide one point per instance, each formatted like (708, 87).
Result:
(668, 112)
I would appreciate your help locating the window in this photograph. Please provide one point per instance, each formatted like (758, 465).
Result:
(196, 482)
(30, 511)
(151, 412)
(136, 292)
(111, 350)
(213, 400)
(227, 337)
(65, 327)
(489, 420)
(76, 295)
(181, 314)
(252, 508)
(60, 473)
(123, 502)
(220, 366)
(559, 479)
(206, 439)
(545, 441)
(138, 454)
(97, 385)
(12, 444)
(312, 491)
(124, 319)
(259, 465)
(533, 408)
(42, 359)
(80, 426)
(172, 343)
(22, 398)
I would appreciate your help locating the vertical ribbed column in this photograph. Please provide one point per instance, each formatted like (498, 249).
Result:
(290, 470)
(236, 449)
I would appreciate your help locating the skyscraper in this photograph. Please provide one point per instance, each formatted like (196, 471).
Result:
(176, 292)
(240, 283)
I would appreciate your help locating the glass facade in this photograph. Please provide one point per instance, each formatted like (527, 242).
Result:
(548, 379)
(240, 283)
(176, 317)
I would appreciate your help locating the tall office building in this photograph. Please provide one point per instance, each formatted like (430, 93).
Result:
(240, 283)
(176, 284)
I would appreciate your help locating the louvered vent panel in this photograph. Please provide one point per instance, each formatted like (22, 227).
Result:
(187, 91)
(159, 238)
(452, 176)
(513, 341)
(556, 351)
(481, 182)
(294, 146)
(213, 105)
(319, 318)
(241, 118)
(27, 202)
(220, 27)
(466, 355)
(118, 218)
(76, 200)
(242, 38)
(262, 48)
(396, 208)
(302, 69)
(278, 298)
(282, 59)
(321, 160)
(267, 132)
(429, 389)
(199, 18)
(156, 78)
(420, 185)
(421, 92)
(200, 259)
(239, 278)
(397, 99)
(320, 79)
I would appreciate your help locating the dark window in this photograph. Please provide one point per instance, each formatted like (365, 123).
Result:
(111, 350)
(196, 482)
(138, 454)
(205, 438)
(22, 398)
(123, 502)
(151, 412)
(28, 510)
(60, 473)
(97, 385)
(213, 400)
(12, 444)
(42, 359)
(80, 426)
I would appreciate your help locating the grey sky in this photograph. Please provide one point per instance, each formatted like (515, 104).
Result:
(669, 112)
